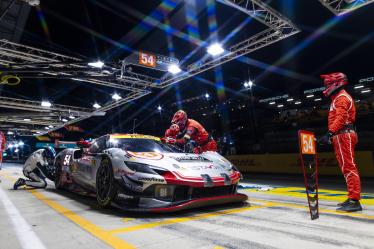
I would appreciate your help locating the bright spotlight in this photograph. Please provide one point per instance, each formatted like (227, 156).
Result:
(359, 86)
(10, 146)
(310, 96)
(26, 119)
(116, 96)
(47, 128)
(16, 150)
(64, 120)
(159, 108)
(10, 133)
(250, 83)
(21, 143)
(207, 96)
(50, 126)
(97, 64)
(46, 104)
(319, 99)
(297, 102)
(71, 117)
(366, 91)
(290, 99)
(272, 103)
(280, 106)
(215, 49)
(96, 106)
(246, 85)
(174, 69)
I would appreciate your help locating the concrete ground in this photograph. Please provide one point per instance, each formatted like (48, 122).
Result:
(275, 218)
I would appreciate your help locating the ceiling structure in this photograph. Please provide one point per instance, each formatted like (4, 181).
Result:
(28, 62)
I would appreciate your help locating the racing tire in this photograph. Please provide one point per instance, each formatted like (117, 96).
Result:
(106, 189)
(58, 183)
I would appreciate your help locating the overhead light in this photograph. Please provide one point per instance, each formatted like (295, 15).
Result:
(310, 96)
(71, 117)
(64, 120)
(297, 103)
(159, 108)
(96, 106)
(47, 128)
(50, 126)
(289, 100)
(26, 119)
(248, 84)
(10, 145)
(366, 91)
(38, 132)
(215, 49)
(280, 106)
(16, 150)
(46, 104)
(116, 96)
(21, 143)
(10, 133)
(319, 99)
(207, 96)
(174, 69)
(97, 64)
(272, 103)
(359, 86)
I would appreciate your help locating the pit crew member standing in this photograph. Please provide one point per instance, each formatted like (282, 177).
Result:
(34, 167)
(194, 131)
(341, 133)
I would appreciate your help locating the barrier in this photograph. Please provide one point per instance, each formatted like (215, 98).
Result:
(290, 163)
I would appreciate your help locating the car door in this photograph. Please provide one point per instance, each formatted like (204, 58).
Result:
(88, 163)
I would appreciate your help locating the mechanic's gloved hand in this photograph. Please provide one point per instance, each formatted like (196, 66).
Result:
(196, 150)
(326, 139)
(170, 140)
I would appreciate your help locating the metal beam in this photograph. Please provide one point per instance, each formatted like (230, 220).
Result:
(340, 7)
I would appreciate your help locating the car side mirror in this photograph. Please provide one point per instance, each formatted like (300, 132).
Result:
(83, 144)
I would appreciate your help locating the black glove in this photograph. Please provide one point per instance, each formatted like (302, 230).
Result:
(326, 139)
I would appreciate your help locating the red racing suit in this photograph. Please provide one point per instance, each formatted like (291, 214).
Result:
(195, 131)
(342, 114)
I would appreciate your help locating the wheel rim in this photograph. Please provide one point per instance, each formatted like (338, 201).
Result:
(103, 182)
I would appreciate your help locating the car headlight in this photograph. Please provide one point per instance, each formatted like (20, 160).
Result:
(140, 167)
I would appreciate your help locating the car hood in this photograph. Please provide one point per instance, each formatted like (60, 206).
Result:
(186, 164)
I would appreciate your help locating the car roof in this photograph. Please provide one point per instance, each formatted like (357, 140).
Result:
(134, 136)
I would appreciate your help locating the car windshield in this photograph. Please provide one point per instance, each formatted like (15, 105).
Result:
(141, 145)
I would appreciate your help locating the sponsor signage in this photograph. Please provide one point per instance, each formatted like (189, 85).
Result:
(73, 128)
(320, 89)
(151, 60)
(273, 98)
(365, 80)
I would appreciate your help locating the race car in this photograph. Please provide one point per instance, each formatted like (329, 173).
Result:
(141, 173)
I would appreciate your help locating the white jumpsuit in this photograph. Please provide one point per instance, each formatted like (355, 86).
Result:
(32, 171)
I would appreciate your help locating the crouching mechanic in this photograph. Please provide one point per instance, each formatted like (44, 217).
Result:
(193, 131)
(341, 133)
(34, 167)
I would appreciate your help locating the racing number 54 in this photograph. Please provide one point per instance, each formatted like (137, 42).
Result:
(148, 60)
(308, 144)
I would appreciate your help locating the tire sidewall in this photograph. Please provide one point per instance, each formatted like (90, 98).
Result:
(57, 181)
(112, 192)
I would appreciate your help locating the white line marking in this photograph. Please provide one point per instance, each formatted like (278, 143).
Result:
(26, 236)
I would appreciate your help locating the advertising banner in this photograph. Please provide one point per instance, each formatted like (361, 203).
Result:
(290, 163)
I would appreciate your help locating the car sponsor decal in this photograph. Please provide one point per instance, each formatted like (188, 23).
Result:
(197, 167)
(123, 172)
(67, 160)
(189, 158)
(146, 155)
(150, 179)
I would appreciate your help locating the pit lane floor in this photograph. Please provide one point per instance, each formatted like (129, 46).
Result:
(277, 218)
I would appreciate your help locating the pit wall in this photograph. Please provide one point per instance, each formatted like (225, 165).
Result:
(290, 163)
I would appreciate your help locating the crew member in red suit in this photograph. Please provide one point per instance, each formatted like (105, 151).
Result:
(341, 133)
(192, 130)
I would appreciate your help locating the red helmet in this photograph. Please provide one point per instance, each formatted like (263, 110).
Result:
(180, 119)
(333, 81)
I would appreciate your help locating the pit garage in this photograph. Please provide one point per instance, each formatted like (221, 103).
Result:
(186, 124)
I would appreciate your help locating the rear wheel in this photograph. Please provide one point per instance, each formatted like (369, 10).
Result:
(105, 186)
(58, 182)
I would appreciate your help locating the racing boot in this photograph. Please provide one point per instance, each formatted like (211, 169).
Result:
(343, 203)
(351, 206)
(20, 182)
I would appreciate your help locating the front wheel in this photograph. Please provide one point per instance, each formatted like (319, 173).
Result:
(105, 186)
(57, 179)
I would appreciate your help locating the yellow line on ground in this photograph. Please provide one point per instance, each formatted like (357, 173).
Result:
(80, 221)
(322, 210)
(291, 191)
(184, 219)
(218, 247)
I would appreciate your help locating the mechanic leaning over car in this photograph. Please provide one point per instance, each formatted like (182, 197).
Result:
(342, 134)
(34, 167)
(194, 131)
